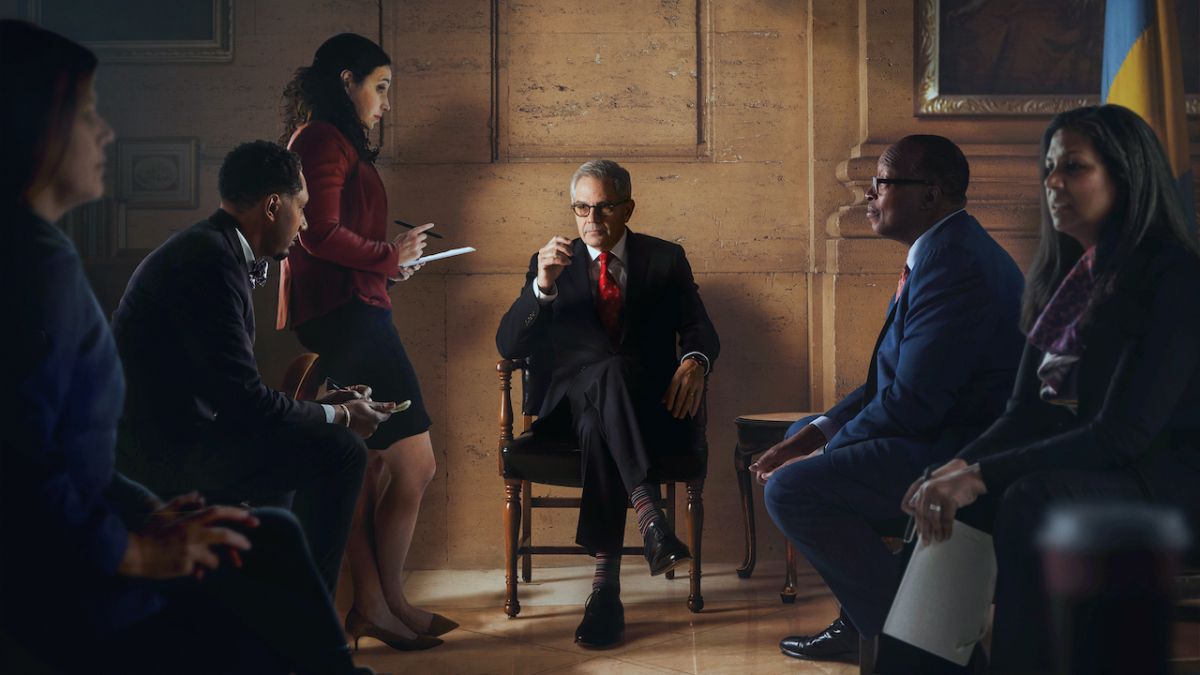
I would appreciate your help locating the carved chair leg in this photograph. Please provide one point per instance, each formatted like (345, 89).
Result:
(512, 521)
(670, 513)
(526, 530)
(695, 517)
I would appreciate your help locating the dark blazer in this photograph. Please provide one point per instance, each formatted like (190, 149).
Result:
(946, 358)
(662, 318)
(1138, 388)
(185, 331)
(64, 510)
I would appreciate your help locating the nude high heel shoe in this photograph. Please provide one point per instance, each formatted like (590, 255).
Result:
(357, 626)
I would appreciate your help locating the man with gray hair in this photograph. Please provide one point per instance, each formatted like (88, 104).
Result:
(619, 316)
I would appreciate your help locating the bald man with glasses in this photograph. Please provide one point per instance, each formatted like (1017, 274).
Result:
(620, 316)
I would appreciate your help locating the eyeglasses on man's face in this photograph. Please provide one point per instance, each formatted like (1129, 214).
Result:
(876, 181)
(602, 208)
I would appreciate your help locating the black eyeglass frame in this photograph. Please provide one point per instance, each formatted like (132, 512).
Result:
(606, 208)
(876, 181)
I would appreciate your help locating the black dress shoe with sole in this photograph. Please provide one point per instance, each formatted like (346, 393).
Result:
(603, 622)
(664, 551)
(838, 642)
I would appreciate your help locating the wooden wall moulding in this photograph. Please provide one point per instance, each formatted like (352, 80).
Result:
(1023, 57)
(576, 79)
(143, 31)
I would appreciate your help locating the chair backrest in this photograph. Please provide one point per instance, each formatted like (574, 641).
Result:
(301, 380)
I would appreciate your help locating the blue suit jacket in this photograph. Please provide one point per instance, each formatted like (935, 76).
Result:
(947, 356)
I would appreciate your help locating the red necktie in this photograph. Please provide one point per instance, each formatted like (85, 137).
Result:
(608, 301)
(900, 284)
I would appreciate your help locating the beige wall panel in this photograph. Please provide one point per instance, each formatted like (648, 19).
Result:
(475, 495)
(570, 94)
(755, 15)
(582, 17)
(759, 104)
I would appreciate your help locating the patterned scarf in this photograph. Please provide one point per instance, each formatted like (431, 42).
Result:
(1056, 331)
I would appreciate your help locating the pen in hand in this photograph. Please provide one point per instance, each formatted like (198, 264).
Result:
(410, 226)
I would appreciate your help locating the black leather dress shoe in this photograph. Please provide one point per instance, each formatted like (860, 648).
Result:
(664, 551)
(838, 642)
(603, 622)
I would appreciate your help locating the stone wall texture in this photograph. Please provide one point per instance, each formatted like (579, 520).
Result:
(751, 128)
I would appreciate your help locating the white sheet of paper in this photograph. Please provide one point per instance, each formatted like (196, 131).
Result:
(438, 256)
(943, 600)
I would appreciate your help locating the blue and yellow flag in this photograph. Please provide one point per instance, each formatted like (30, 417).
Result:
(1143, 71)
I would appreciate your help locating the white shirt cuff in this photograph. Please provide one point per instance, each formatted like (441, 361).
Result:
(330, 413)
(826, 426)
(545, 298)
(703, 358)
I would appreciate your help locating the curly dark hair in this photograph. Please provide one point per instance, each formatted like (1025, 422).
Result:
(317, 93)
(252, 171)
(1147, 207)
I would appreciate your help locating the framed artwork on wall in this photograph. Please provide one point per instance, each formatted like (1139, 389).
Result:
(1023, 57)
(157, 173)
(142, 31)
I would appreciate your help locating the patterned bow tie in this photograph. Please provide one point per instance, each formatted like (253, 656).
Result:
(258, 273)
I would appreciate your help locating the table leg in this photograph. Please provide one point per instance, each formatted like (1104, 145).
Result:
(788, 593)
(741, 465)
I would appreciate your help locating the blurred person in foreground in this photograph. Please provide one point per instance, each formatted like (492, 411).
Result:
(98, 574)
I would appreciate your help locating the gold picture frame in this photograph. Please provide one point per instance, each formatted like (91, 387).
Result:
(932, 96)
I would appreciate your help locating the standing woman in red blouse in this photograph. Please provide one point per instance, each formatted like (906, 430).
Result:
(333, 289)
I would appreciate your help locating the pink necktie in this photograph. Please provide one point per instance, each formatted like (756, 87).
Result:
(608, 301)
(900, 284)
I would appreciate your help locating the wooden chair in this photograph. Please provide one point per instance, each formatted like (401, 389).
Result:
(301, 379)
(525, 460)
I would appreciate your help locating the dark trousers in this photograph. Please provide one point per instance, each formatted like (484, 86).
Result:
(621, 429)
(315, 469)
(834, 508)
(271, 616)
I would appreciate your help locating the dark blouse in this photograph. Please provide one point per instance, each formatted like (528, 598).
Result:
(1139, 388)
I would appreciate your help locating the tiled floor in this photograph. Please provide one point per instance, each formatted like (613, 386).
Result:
(737, 633)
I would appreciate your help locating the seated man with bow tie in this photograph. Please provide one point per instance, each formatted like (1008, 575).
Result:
(944, 365)
(631, 345)
(198, 415)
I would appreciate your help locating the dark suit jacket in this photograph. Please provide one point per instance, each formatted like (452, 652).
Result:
(64, 512)
(947, 355)
(1138, 388)
(185, 331)
(662, 318)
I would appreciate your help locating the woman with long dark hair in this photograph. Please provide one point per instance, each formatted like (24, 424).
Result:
(334, 290)
(98, 574)
(1107, 400)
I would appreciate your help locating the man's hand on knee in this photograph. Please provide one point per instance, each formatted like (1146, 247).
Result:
(686, 389)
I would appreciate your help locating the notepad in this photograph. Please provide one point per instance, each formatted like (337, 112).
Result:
(942, 604)
(438, 256)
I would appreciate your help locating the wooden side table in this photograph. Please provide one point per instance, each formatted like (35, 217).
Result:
(756, 433)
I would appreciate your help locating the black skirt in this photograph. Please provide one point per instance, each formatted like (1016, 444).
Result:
(358, 344)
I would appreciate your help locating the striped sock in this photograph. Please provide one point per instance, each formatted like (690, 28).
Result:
(608, 571)
(645, 503)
